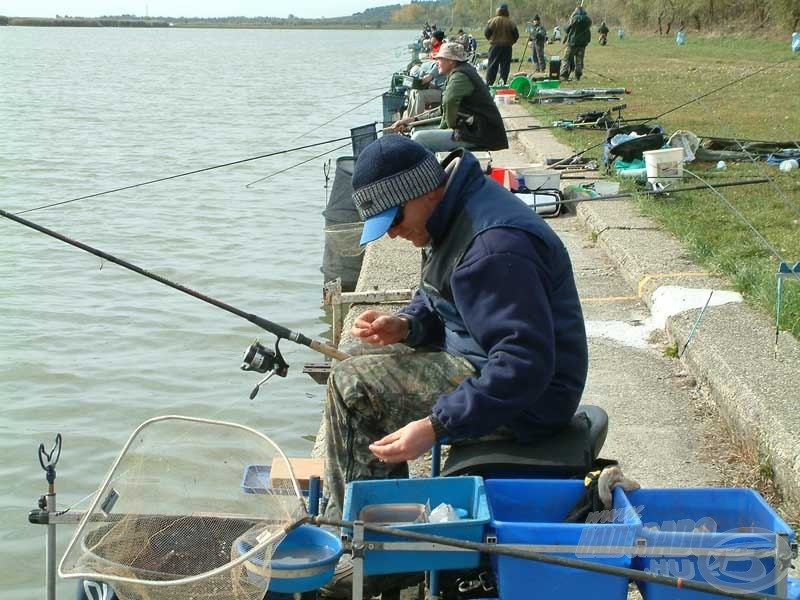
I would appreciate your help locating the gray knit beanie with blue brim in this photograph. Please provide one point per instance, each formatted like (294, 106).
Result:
(391, 171)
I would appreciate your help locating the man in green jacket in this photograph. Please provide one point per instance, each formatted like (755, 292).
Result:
(578, 35)
(469, 116)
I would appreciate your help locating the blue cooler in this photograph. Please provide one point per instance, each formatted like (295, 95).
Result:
(465, 494)
(698, 521)
(531, 512)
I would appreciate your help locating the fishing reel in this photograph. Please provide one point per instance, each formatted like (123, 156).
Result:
(261, 359)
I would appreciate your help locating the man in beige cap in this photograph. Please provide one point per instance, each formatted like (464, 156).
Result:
(469, 116)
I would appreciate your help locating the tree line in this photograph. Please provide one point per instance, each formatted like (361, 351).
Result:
(654, 16)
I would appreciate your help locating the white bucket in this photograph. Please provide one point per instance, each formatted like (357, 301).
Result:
(664, 166)
(505, 96)
(540, 179)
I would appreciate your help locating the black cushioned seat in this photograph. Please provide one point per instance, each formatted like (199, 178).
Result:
(572, 451)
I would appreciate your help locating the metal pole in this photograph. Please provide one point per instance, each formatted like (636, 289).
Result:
(50, 555)
(48, 461)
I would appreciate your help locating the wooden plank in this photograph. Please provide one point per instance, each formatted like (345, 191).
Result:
(303, 469)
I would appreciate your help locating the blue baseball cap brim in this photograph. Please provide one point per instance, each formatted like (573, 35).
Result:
(377, 225)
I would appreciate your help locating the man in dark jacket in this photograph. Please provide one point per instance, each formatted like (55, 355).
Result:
(497, 328)
(502, 34)
(469, 116)
(538, 37)
(578, 35)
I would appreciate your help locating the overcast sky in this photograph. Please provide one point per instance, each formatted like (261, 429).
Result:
(189, 8)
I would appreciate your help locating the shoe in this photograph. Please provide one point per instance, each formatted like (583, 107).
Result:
(340, 587)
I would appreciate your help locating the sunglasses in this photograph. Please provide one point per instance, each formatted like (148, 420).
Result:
(398, 218)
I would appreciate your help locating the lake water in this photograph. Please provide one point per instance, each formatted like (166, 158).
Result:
(91, 350)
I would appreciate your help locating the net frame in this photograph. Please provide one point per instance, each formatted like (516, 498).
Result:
(301, 515)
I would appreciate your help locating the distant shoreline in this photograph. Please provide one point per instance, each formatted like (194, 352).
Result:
(217, 23)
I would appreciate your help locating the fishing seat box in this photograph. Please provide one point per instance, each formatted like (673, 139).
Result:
(531, 512)
(697, 521)
(414, 83)
(393, 104)
(465, 493)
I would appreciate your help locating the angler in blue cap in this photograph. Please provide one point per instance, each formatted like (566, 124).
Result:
(496, 325)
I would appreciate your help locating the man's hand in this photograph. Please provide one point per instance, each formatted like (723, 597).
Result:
(401, 125)
(407, 443)
(382, 329)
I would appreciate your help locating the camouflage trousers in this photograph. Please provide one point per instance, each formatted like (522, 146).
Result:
(573, 61)
(370, 396)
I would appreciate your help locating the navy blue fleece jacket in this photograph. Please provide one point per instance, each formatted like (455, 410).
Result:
(514, 295)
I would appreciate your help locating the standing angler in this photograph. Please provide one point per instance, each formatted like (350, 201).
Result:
(502, 34)
(538, 35)
(579, 34)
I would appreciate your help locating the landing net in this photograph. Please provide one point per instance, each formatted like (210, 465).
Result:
(174, 520)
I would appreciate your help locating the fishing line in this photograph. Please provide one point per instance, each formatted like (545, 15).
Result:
(787, 202)
(741, 217)
(714, 91)
(759, 165)
(337, 117)
(278, 330)
(598, 74)
(354, 92)
(135, 185)
(252, 183)
(687, 103)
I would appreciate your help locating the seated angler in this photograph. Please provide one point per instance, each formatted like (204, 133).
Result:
(497, 328)
(419, 100)
(469, 116)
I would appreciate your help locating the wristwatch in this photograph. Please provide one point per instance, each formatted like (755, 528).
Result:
(439, 430)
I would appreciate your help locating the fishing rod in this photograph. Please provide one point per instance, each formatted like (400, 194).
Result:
(714, 91)
(599, 74)
(599, 124)
(337, 117)
(257, 357)
(516, 551)
(654, 192)
(740, 140)
(160, 179)
(302, 162)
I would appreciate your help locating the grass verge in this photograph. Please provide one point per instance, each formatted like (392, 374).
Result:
(740, 232)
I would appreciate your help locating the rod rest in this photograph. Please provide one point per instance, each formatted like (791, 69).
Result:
(572, 451)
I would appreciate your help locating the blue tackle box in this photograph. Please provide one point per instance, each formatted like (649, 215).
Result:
(728, 537)
(531, 512)
(464, 494)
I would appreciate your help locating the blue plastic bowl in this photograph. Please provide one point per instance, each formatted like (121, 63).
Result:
(304, 561)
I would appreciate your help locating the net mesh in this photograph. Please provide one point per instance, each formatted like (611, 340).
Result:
(344, 239)
(181, 515)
